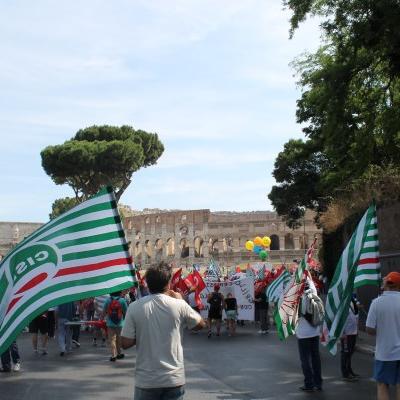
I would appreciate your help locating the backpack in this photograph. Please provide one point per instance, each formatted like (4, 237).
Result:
(312, 308)
(114, 311)
(215, 301)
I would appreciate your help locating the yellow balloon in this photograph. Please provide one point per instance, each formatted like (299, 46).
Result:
(266, 241)
(249, 245)
(258, 241)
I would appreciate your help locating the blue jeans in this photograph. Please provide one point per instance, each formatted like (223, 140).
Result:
(10, 353)
(174, 393)
(310, 361)
(64, 335)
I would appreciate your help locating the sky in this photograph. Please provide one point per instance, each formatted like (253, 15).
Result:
(211, 77)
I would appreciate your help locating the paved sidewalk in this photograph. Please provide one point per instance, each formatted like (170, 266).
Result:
(365, 343)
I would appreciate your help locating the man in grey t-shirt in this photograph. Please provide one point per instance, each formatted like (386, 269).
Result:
(155, 325)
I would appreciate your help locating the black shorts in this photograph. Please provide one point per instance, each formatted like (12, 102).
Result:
(214, 314)
(39, 324)
(51, 323)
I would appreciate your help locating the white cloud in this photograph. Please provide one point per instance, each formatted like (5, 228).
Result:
(210, 77)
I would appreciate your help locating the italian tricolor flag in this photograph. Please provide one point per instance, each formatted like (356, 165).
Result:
(80, 254)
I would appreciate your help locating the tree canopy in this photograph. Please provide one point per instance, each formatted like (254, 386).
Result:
(99, 156)
(60, 206)
(349, 106)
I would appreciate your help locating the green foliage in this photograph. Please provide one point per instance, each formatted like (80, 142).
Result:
(350, 102)
(99, 156)
(60, 206)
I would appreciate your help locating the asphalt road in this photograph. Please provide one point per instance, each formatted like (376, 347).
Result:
(248, 366)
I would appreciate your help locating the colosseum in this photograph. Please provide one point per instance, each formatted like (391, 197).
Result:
(189, 237)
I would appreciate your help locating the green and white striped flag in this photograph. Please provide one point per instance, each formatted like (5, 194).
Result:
(213, 269)
(275, 289)
(261, 273)
(286, 313)
(358, 266)
(80, 254)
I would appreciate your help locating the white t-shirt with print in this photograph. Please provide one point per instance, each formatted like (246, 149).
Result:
(384, 316)
(351, 324)
(156, 322)
(305, 330)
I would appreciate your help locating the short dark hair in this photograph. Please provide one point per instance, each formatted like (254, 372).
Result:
(158, 277)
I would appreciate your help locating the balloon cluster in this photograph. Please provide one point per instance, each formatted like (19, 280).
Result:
(259, 246)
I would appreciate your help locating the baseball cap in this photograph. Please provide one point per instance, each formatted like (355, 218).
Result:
(393, 278)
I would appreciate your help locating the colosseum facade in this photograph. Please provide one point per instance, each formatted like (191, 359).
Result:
(189, 237)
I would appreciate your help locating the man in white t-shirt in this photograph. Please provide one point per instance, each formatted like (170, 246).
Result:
(155, 325)
(308, 343)
(384, 322)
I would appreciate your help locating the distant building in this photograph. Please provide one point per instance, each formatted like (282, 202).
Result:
(188, 237)
(11, 233)
(191, 236)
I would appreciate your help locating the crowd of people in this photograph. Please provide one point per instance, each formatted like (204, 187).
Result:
(154, 325)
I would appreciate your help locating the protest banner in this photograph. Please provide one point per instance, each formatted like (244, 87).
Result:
(242, 289)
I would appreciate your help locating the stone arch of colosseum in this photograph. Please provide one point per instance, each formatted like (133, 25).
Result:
(198, 247)
(192, 236)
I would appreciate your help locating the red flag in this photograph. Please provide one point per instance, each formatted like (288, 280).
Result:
(175, 279)
(200, 284)
(178, 284)
(141, 280)
(182, 288)
(195, 282)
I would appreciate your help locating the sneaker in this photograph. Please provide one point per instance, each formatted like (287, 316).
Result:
(44, 352)
(113, 359)
(5, 369)
(120, 356)
(62, 353)
(76, 343)
(260, 332)
(209, 334)
(350, 378)
(318, 388)
(94, 343)
(17, 367)
(354, 375)
(306, 389)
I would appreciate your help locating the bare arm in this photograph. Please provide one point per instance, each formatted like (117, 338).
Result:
(126, 343)
(371, 331)
(202, 324)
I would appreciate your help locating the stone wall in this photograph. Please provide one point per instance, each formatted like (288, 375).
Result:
(12, 233)
(192, 236)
